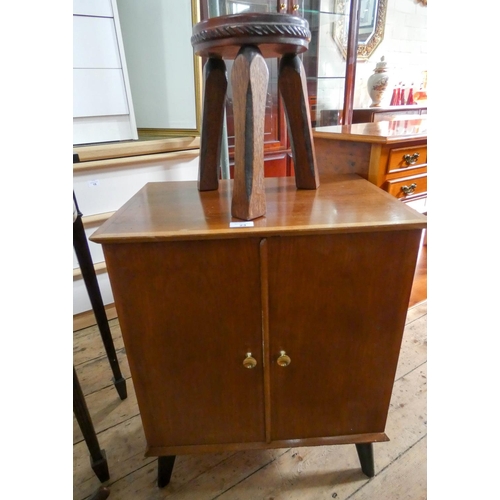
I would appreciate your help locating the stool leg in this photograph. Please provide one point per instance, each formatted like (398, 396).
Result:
(249, 77)
(98, 460)
(214, 96)
(84, 258)
(293, 89)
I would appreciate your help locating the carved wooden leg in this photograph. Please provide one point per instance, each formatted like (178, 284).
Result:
(365, 454)
(249, 78)
(293, 88)
(215, 87)
(82, 252)
(165, 468)
(98, 460)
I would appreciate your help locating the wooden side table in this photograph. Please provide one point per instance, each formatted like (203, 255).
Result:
(390, 154)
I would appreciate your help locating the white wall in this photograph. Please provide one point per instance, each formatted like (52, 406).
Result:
(102, 102)
(106, 190)
(404, 47)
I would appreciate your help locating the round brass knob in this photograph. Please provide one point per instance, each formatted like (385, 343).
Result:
(284, 360)
(249, 362)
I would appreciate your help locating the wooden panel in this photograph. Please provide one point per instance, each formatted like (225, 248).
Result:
(94, 43)
(275, 165)
(366, 115)
(395, 115)
(394, 187)
(343, 339)
(186, 329)
(99, 92)
(342, 157)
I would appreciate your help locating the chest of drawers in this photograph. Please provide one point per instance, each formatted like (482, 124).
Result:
(390, 154)
(286, 333)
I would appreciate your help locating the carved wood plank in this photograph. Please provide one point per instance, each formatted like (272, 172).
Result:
(249, 78)
(293, 88)
(215, 86)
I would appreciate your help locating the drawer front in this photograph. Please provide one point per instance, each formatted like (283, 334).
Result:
(409, 187)
(407, 158)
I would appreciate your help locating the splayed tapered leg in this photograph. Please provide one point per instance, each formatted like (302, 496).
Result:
(249, 78)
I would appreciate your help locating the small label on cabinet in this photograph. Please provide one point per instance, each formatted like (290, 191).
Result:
(241, 224)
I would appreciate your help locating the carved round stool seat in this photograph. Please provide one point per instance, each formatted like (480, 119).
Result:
(249, 39)
(274, 34)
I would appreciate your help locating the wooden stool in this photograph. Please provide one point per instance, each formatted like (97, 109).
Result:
(248, 39)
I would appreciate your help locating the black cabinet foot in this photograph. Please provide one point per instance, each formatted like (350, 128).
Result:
(365, 454)
(165, 468)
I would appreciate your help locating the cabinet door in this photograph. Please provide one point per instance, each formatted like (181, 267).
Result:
(189, 312)
(337, 307)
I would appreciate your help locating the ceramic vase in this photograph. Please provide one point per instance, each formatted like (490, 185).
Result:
(377, 83)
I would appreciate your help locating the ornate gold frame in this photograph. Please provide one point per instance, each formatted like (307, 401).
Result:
(341, 24)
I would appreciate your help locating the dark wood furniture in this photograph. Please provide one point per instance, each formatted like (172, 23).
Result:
(248, 39)
(368, 115)
(390, 154)
(285, 333)
(98, 460)
(82, 252)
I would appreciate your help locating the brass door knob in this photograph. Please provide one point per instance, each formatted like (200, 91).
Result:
(284, 360)
(249, 361)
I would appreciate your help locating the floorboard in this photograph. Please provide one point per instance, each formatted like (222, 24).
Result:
(308, 473)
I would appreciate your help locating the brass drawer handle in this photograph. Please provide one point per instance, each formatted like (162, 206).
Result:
(409, 189)
(249, 361)
(284, 360)
(411, 159)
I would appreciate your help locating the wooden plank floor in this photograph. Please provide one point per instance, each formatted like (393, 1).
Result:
(309, 473)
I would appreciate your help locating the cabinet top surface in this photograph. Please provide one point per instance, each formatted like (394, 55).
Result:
(383, 132)
(178, 211)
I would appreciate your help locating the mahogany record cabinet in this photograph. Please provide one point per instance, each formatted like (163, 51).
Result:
(285, 333)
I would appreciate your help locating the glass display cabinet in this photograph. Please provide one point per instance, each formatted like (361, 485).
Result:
(325, 67)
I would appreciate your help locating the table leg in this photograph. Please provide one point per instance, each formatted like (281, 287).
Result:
(98, 460)
(214, 96)
(249, 78)
(293, 89)
(82, 251)
(165, 468)
(365, 454)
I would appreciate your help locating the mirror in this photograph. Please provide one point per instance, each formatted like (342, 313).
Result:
(164, 74)
(372, 15)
